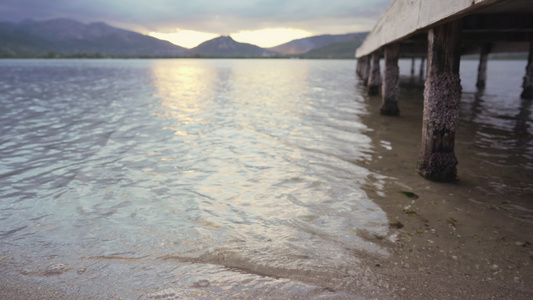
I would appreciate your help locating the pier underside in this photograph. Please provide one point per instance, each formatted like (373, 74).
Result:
(442, 32)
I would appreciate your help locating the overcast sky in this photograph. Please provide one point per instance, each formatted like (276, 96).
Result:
(214, 16)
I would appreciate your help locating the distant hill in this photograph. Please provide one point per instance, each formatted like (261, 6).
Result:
(15, 42)
(304, 45)
(64, 36)
(69, 38)
(225, 46)
(66, 29)
(337, 50)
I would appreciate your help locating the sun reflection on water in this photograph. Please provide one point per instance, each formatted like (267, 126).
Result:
(260, 144)
(183, 91)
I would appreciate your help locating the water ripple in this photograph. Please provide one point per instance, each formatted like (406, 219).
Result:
(186, 162)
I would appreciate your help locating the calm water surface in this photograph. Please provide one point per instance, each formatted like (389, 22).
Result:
(211, 178)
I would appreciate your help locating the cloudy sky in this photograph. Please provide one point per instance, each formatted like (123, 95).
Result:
(262, 22)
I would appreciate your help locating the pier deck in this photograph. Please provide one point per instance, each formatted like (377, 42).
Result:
(507, 24)
(440, 32)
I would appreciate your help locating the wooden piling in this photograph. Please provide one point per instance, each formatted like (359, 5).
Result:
(359, 66)
(442, 95)
(374, 78)
(412, 77)
(391, 80)
(527, 85)
(365, 67)
(421, 71)
(482, 68)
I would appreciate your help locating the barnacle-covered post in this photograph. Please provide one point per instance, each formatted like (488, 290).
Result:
(391, 79)
(442, 95)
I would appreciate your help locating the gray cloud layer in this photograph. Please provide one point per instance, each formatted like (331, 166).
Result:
(217, 16)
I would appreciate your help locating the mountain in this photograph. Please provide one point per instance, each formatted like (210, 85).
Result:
(65, 36)
(66, 29)
(225, 46)
(14, 42)
(337, 50)
(304, 45)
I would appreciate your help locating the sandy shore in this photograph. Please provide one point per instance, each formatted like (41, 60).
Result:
(12, 288)
(452, 248)
(471, 239)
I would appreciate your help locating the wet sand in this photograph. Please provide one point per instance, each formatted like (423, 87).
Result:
(12, 288)
(471, 239)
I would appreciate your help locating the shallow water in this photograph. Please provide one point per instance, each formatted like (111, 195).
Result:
(216, 178)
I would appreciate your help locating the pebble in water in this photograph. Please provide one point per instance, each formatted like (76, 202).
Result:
(168, 294)
(56, 269)
(201, 283)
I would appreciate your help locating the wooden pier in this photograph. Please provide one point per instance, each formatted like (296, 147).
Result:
(439, 32)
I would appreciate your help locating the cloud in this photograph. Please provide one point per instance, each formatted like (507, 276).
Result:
(217, 16)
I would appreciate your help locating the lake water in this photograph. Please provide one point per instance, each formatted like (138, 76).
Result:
(218, 178)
